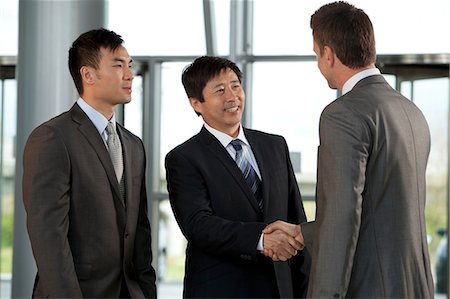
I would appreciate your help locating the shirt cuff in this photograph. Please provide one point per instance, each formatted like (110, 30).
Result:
(260, 246)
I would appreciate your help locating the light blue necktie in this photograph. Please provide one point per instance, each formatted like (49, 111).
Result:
(250, 175)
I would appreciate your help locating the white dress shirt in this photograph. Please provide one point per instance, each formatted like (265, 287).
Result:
(358, 77)
(98, 119)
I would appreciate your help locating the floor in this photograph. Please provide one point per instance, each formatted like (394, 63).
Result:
(165, 290)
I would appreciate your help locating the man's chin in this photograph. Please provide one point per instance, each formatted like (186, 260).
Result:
(125, 101)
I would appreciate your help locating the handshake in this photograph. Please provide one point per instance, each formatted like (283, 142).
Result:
(282, 240)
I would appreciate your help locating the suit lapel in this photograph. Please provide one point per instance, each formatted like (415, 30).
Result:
(88, 129)
(216, 148)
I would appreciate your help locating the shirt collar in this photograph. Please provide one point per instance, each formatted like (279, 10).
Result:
(358, 77)
(225, 139)
(96, 117)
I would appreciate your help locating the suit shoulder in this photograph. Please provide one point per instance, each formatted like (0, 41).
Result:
(56, 120)
(129, 134)
(56, 123)
(268, 137)
(186, 145)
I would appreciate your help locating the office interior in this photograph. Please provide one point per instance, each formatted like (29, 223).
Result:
(285, 93)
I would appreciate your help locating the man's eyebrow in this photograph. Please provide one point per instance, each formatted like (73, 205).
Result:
(218, 85)
(221, 84)
(118, 59)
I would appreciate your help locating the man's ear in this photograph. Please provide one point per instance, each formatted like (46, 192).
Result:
(329, 55)
(87, 74)
(196, 105)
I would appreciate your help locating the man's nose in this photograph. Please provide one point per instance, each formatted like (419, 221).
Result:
(230, 94)
(129, 75)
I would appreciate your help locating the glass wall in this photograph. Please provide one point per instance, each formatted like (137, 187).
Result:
(432, 97)
(288, 98)
(178, 123)
(8, 113)
(401, 27)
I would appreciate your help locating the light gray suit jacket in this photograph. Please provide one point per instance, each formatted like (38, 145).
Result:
(85, 239)
(369, 235)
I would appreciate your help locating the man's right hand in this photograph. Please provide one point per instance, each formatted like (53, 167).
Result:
(282, 240)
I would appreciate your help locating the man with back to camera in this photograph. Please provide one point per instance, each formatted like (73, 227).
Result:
(222, 210)
(84, 185)
(369, 236)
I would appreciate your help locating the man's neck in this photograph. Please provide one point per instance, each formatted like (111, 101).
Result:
(106, 110)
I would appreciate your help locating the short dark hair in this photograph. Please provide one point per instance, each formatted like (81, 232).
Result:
(197, 74)
(347, 30)
(85, 51)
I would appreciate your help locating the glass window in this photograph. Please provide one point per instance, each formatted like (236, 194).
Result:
(222, 17)
(178, 123)
(9, 27)
(171, 246)
(282, 27)
(392, 80)
(153, 27)
(8, 117)
(396, 26)
(432, 97)
(409, 27)
(178, 120)
(288, 98)
(133, 110)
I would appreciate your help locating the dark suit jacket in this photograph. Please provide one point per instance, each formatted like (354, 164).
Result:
(370, 237)
(220, 218)
(84, 239)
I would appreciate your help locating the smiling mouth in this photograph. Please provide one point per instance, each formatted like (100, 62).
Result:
(232, 109)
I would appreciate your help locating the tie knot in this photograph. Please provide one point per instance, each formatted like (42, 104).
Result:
(110, 128)
(236, 143)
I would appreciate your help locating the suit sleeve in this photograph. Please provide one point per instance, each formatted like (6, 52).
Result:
(189, 197)
(46, 189)
(143, 256)
(342, 159)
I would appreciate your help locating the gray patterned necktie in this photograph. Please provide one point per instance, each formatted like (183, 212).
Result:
(250, 175)
(115, 152)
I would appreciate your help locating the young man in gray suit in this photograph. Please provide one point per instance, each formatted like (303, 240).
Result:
(370, 237)
(222, 210)
(84, 185)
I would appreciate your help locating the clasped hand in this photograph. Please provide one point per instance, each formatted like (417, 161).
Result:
(282, 240)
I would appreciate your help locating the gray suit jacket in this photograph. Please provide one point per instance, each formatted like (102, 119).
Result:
(370, 239)
(85, 239)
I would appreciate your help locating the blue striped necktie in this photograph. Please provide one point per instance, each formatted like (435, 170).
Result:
(250, 175)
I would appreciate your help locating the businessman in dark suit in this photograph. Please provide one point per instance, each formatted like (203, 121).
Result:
(86, 210)
(369, 237)
(221, 210)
